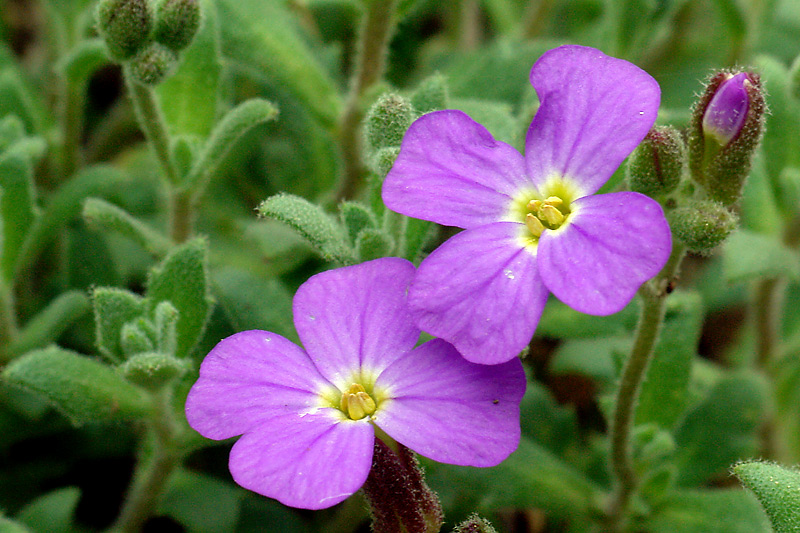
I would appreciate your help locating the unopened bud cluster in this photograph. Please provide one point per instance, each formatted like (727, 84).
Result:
(146, 38)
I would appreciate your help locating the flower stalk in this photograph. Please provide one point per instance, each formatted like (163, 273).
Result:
(370, 64)
(654, 295)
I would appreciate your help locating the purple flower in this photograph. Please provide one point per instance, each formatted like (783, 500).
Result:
(532, 224)
(725, 114)
(309, 417)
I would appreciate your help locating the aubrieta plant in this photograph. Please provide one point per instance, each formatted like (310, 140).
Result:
(330, 266)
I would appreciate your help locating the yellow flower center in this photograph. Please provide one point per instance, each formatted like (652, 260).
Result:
(549, 213)
(356, 403)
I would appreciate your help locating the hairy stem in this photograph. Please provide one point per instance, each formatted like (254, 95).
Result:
(373, 42)
(654, 294)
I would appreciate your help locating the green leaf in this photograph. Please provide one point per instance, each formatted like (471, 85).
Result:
(17, 97)
(253, 302)
(10, 526)
(355, 217)
(100, 214)
(84, 389)
(778, 490)
(189, 97)
(664, 394)
(263, 37)
(17, 208)
(708, 511)
(750, 255)
(373, 243)
(182, 279)
(226, 133)
(202, 504)
(83, 60)
(64, 205)
(721, 429)
(46, 326)
(113, 308)
(313, 223)
(563, 322)
(530, 477)
(53, 512)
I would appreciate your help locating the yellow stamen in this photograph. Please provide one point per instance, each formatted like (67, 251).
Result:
(554, 201)
(534, 205)
(551, 215)
(535, 225)
(356, 403)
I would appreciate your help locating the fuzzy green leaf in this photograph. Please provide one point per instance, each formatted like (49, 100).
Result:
(84, 389)
(313, 223)
(112, 309)
(52, 512)
(81, 62)
(778, 490)
(182, 280)
(104, 215)
(17, 208)
(708, 511)
(750, 255)
(201, 503)
(46, 326)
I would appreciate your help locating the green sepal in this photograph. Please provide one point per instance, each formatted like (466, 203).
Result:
(355, 217)
(152, 370)
(46, 326)
(749, 255)
(387, 121)
(102, 215)
(382, 162)
(373, 243)
(17, 207)
(83, 60)
(227, 132)
(84, 389)
(182, 279)
(190, 97)
(125, 26)
(153, 64)
(113, 308)
(702, 224)
(778, 490)
(53, 512)
(313, 223)
(658, 164)
(431, 94)
(133, 339)
(177, 22)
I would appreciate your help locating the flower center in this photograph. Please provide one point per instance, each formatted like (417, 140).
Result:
(549, 213)
(356, 403)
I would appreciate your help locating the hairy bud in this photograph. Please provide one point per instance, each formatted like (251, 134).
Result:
(153, 64)
(177, 22)
(124, 25)
(658, 163)
(702, 224)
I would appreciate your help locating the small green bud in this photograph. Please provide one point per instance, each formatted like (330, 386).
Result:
(387, 121)
(725, 131)
(124, 25)
(177, 22)
(383, 160)
(134, 340)
(152, 370)
(474, 524)
(702, 224)
(431, 95)
(356, 217)
(166, 322)
(658, 163)
(153, 64)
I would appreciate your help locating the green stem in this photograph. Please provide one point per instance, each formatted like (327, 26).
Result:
(8, 320)
(158, 457)
(654, 294)
(148, 113)
(370, 64)
(181, 215)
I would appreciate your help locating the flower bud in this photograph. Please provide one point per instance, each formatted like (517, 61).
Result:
(124, 25)
(153, 64)
(658, 163)
(475, 524)
(398, 498)
(152, 370)
(431, 95)
(387, 121)
(702, 224)
(177, 22)
(725, 130)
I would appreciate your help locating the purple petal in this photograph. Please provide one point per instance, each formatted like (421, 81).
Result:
(250, 377)
(725, 114)
(594, 110)
(355, 317)
(452, 171)
(451, 410)
(613, 243)
(481, 292)
(310, 462)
